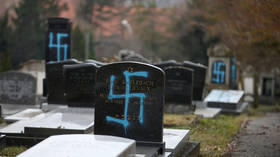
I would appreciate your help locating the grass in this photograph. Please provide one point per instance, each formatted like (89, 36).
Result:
(214, 135)
(12, 151)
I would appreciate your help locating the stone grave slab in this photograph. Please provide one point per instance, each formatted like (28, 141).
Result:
(82, 145)
(129, 101)
(204, 111)
(208, 112)
(198, 79)
(80, 84)
(174, 139)
(23, 115)
(55, 81)
(227, 100)
(17, 128)
(178, 89)
(17, 88)
(63, 121)
(10, 109)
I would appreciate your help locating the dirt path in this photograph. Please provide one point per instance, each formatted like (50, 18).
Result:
(259, 137)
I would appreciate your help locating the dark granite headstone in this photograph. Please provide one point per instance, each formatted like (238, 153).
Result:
(178, 85)
(198, 79)
(17, 88)
(129, 101)
(55, 81)
(58, 40)
(80, 84)
(166, 64)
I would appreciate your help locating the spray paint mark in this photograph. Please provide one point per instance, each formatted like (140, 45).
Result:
(127, 95)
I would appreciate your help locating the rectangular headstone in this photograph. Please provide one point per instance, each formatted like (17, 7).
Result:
(23, 115)
(82, 145)
(56, 82)
(58, 40)
(178, 85)
(129, 101)
(17, 88)
(80, 84)
(199, 78)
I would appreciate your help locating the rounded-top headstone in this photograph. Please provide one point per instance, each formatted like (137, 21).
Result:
(129, 101)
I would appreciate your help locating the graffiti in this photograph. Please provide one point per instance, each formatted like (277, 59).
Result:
(218, 72)
(58, 44)
(233, 72)
(127, 95)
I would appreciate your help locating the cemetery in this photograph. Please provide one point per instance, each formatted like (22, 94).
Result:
(127, 105)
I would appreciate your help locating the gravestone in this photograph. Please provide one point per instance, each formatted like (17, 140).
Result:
(57, 44)
(17, 88)
(129, 102)
(55, 81)
(166, 64)
(267, 95)
(58, 40)
(223, 70)
(80, 84)
(178, 89)
(178, 85)
(82, 145)
(230, 101)
(198, 79)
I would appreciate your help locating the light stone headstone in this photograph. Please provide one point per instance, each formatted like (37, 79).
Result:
(17, 88)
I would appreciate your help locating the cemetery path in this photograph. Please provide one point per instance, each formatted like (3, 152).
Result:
(259, 137)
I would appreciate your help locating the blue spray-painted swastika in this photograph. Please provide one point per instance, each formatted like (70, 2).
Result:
(127, 95)
(233, 69)
(218, 72)
(58, 44)
(233, 72)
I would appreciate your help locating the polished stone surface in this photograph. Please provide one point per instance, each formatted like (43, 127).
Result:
(82, 145)
(23, 115)
(10, 109)
(199, 78)
(129, 101)
(224, 96)
(178, 85)
(63, 121)
(173, 138)
(80, 84)
(56, 82)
